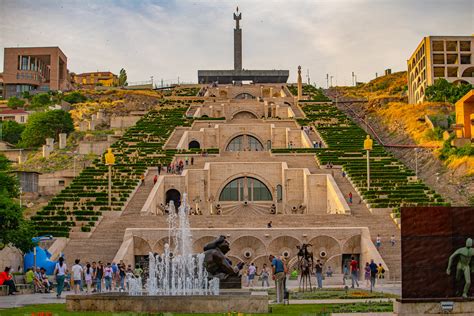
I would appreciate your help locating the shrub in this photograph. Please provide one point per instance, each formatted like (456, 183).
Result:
(75, 97)
(15, 102)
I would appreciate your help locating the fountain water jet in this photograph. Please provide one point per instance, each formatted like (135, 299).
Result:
(177, 272)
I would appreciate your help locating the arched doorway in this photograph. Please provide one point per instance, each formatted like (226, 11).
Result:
(173, 195)
(194, 144)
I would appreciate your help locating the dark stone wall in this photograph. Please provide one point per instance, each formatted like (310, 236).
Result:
(429, 236)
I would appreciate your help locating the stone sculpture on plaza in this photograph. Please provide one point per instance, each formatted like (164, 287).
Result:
(219, 266)
(463, 266)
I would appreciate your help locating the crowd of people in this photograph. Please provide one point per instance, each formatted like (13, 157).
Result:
(88, 278)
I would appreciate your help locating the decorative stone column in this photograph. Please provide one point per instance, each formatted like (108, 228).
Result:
(300, 84)
(62, 140)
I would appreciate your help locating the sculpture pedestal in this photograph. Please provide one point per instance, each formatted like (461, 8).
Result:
(239, 301)
(231, 282)
(419, 307)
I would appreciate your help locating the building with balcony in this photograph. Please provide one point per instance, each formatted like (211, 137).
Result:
(34, 69)
(448, 57)
(92, 79)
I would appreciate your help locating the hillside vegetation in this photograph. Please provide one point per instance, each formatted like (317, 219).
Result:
(426, 124)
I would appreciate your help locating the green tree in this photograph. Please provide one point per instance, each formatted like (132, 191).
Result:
(11, 131)
(445, 91)
(14, 229)
(8, 182)
(15, 102)
(42, 125)
(75, 97)
(40, 100)
(122, 78)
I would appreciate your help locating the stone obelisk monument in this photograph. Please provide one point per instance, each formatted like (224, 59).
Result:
(237, 41)
(300, 84)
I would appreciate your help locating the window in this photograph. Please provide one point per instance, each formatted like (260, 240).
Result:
(61, 182)
(439, 71)
(245, 188)
(465, 46)
(451, 46)
(438, 59)
(438, 46)
(244, 142)
(465, 59)
(452, 71)
(452, 59)
(24, 63)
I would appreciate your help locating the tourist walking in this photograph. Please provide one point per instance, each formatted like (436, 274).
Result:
(279, 277)
(345, 276)
(270, 224)
(60, 272)
(373, 274)
(88, 278)
(251, 274)
(367, 274)
(350, 197)
(392, 240)
(319, 273)
(192, 161)
(77, 276)
(378, 242)
(354, 269)
(99, 275)
(380, 273)
(108, 274)
(158, 169)
(142, 179)
(94, 280)
(115, 276)
(155, 178)
(264, 275)
(122, 275)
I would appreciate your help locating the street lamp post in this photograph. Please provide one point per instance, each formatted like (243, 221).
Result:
(417, 150)
(109, 161)
(368, 144)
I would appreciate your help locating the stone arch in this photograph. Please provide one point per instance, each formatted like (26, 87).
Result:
(198, 244)
(244, 114)
(173, 195)
(242, 175)
(244, 95)
(284, 243)
(260, 260)
(327, 244)
(159, 246)
(335, 262)
(352, 245)
(468, 72)
(460, 81)
(233, 137)
(194, 144)
(141, 247)
(248, 244)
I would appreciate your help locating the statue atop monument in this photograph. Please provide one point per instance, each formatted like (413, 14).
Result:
(237, 18)
(464, 265)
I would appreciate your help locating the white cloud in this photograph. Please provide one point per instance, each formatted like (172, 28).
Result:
(167, 39)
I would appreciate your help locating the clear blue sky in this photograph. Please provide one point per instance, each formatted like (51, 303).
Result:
(167, 39)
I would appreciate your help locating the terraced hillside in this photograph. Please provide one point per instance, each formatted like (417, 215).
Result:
(79, 206)
(392, 183)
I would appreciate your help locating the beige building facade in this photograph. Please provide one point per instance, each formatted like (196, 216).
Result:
(448, 57)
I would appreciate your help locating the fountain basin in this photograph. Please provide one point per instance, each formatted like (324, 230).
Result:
(227, 301)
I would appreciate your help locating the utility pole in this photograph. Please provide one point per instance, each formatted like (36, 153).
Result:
(353, 81)
(327, 81)
(162, 82)
(307, 76)
(331, 81)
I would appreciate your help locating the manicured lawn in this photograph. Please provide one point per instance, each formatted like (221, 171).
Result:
(277, 310)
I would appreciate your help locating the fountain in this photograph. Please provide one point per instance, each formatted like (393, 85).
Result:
(179, 281)
(176, 272)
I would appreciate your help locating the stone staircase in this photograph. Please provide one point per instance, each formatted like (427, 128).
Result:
(106, 239)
